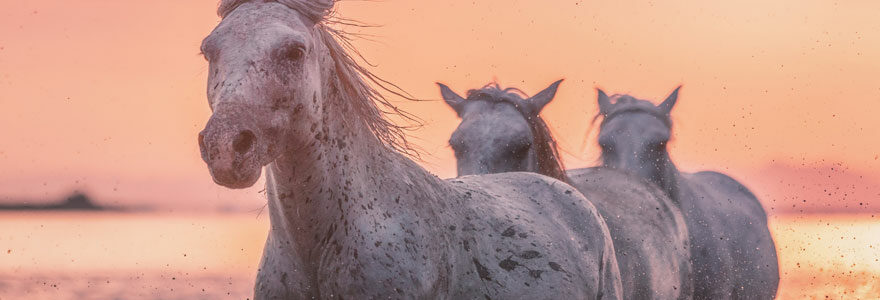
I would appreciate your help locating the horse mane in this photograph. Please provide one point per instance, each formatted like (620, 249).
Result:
(314, 10)
(627, 103)
(493, 92)
(547, 150)
(549, 162)
(353, 79)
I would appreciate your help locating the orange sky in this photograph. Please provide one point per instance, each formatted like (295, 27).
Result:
(109, 96)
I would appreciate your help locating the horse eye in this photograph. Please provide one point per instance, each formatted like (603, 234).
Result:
(456, 146)
(207, 53)
(291, 52)
(295, 53)
(206, 49)
(657, 147)
(606, 146)
(521, 149)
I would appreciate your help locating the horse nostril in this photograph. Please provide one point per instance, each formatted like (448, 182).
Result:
(243, 141)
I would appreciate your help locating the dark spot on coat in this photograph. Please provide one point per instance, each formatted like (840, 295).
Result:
(535, 273)
(284, 281)
(298, 108)
(530, 254)
(555, 266)
(508, 264)
(509, 232)
(482, 270)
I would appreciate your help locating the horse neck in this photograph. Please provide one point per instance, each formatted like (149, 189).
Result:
(317, 192)
(532, 162)
(668, 177)
(534, 166)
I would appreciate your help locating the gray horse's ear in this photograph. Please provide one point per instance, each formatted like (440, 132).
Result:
(454, 100)
(666, 106)
(537, 102)
(325, 6)
(604, 102)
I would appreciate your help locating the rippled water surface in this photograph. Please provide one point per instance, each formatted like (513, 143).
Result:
(149, 256)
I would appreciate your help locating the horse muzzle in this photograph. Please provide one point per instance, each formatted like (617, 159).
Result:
(232, 146)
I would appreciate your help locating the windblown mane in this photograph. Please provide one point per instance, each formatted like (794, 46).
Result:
(353, 79)
(546, 149)
(314, 10)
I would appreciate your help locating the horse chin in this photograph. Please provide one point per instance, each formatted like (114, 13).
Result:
(243, 175)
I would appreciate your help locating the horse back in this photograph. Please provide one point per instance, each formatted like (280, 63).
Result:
(648, 229)
(738, 196)
(529, 236)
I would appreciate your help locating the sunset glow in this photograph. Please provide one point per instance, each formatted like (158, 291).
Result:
(108, 98)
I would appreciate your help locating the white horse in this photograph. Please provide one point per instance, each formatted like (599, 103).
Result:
(500, 131)
(350, 216)
(733, 253)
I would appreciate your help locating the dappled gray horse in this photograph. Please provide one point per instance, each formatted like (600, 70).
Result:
(502, 132)
(734, 255)
(351, 217)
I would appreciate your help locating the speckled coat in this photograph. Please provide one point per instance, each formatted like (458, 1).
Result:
(350, 217)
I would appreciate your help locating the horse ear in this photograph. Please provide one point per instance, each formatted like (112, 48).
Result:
(537, 102)
(667, 104)
(454, 100)
(326, 6)
(604, 102)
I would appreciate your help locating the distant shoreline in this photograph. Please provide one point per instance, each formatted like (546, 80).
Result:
(75, 202)
(55, 207)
